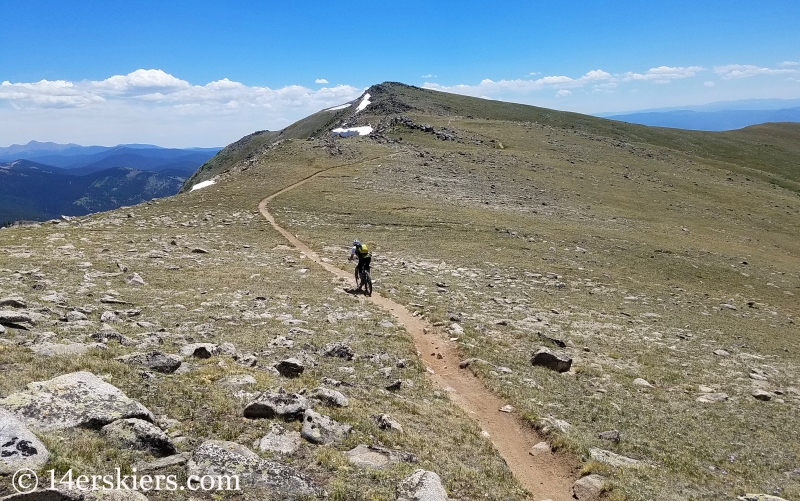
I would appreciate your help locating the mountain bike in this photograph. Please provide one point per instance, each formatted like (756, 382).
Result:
(364, 281)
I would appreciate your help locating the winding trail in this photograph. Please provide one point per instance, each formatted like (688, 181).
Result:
(547, 476)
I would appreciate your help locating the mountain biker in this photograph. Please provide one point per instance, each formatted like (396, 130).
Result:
(360, 251)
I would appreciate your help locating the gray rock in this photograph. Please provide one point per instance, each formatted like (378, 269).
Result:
(15, 317)
(238, 380)
(107, 334)
(291, 368)
(13, 301)
(135, 279)
(138, 435)
(539, 449)
(421, 485)
(216, 457)
(385, 422)
(153, 360)
(373, 456)
(340, 350)
(553, 360)
(322, 430)
(163, 463)
(280, 440)
(613, 459)
(228, 349)
(58, 349)
(2, 329)
(759, 497)
(200, 350)
(281, 342)
(79, 399)
(328, 397)
(549, 423)
(75, 316)
(642, 382)
(610, 435)
(109, 316)
(281, 404)
(711, 398)
(721, 353)
(588, 488)
(19, 448)
(762, 395)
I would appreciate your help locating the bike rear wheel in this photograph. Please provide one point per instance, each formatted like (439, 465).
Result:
(367, 282)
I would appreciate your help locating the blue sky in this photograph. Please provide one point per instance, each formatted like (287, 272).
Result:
(204, 73)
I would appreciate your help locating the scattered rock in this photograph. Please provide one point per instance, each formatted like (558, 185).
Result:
(372, 456)
(539, 448)
(557, 342)
(19, 448)
(238, 380)
(328, 397)
(216, 457)
(199, 250)
(642, 383)
(385, 422)
(610, 435)
(721, 353)
(711, 398)
(421, 485)
(759, 497)
(395, 385)
(163, 463)
(57, 349)
(613, 459)
(291, 368)
(548, 423)
(79, 399)
(200, 350)
(109, 316)
(340, 350)
(762, 395)
(75, 316)
(13, 301)
(107, 334)
(507, 408)
(281, 404)
(153, 360)
(280, 440)
(15, 317)
(556, 361)
(322, 430)
(281, 342)
(135, 279)
(588, 488)
(138, 435)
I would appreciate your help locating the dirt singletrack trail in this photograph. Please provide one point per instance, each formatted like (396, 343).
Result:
(547, 476)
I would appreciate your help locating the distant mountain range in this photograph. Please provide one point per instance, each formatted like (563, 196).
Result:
(719, 116)
(40, 181)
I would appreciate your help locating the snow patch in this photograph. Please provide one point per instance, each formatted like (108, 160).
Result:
(352, 131)
(340, 107)
(203, 184)
(364, 103)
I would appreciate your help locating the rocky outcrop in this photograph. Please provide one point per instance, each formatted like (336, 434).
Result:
(153, 360)
(553, 360)
(19, 448)
(138, 435)
(216, 457)
(79, 399)
(421, 485)
(322, 430)
(281, 404)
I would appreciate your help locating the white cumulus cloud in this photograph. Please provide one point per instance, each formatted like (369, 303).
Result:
(151, 105)
(563, 93)
(748, 70)
(708, 84)
(789, 63)
(321, 81)
(665, 74)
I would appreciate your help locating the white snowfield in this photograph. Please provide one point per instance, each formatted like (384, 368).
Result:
(203, 184)
(352, 131)
(340, 107)
(364, 103)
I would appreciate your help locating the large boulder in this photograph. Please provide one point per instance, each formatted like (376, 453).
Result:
(200, 350)
(79, 399)
(139, 435)
(280, 440)
(216, 457)
(19, 448)
(553, 360)
(588, 488)
(12, 317)
(288, 406)
(291, 367)
(322, 430)
(328, 397)
(153, 360)
(421, 485)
